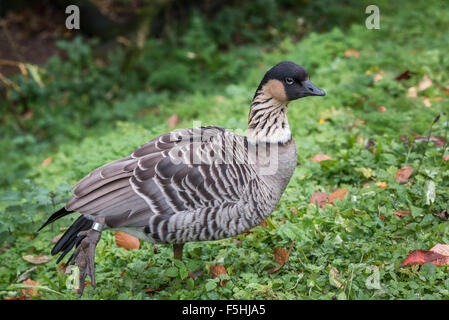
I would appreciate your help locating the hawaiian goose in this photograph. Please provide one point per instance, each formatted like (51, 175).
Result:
(194, 184)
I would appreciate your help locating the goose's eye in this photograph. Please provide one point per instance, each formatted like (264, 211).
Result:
(289, 80)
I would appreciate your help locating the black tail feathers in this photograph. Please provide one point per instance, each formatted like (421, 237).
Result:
(70, 238)
(55, 216)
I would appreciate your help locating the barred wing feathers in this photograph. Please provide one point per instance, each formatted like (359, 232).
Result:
(149, 189)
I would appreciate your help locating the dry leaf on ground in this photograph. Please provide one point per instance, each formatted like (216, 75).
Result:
(216, 271)
(412, 92)
(337, 194)
(352, 53)
(320, 157)
(334, 278)
(39, 259)
(382, 184)
(320, 197)
(425, 83)
(281, 256)
(426, 102)
(438, 255)
(403, 76)
(401, 213)
(30, 292)
(403, 174)
(47, 161)
(126, 241)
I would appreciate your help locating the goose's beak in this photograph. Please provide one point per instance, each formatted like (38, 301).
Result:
(309, 89)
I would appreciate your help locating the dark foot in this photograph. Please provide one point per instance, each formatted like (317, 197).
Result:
(84, 257)
(177, 250)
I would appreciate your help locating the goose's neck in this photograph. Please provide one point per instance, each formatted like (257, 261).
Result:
(267, 120)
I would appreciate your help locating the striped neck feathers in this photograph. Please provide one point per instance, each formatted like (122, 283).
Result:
(267, 121)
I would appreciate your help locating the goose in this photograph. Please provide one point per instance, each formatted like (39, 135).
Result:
(196, 184)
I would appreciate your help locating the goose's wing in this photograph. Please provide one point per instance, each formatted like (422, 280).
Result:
(178, 171)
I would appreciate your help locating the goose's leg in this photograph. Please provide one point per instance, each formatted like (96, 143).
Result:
(84, 255)
(177, 250)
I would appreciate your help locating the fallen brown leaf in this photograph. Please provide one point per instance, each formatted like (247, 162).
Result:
(281, 256)
(216, 271)
(320, 157)
(47, 161)
(39, 259)
(126, 241)
(412, 92)
(404, 76)
(378, 77)
(320, 197)
(425, 83)
(352, 53)
(334, 278)
(403, 174)
(30, 292)
(420, 257)
(426, 102)
(401, 213)
(263, 224)
(337, 194)
(382, 184)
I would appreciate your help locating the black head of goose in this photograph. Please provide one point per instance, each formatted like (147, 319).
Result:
(194, 184)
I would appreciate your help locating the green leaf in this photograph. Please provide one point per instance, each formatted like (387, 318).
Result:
(172, 272)
(211, 285)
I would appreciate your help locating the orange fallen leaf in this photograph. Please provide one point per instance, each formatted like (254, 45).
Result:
(382, 184)
(126, 241)
(47, 161)
(425, 83)
(401, 213)
(352, 53)
(155, 290)
(320, 157)
(216, 271)
(337, 194)
(403, 174)
(412, 92)
(320, 197)
(173, 121)
(378, 77)
(263, 224)
(30, 292)
(281, 256)
(426, 102)
(420, 257)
